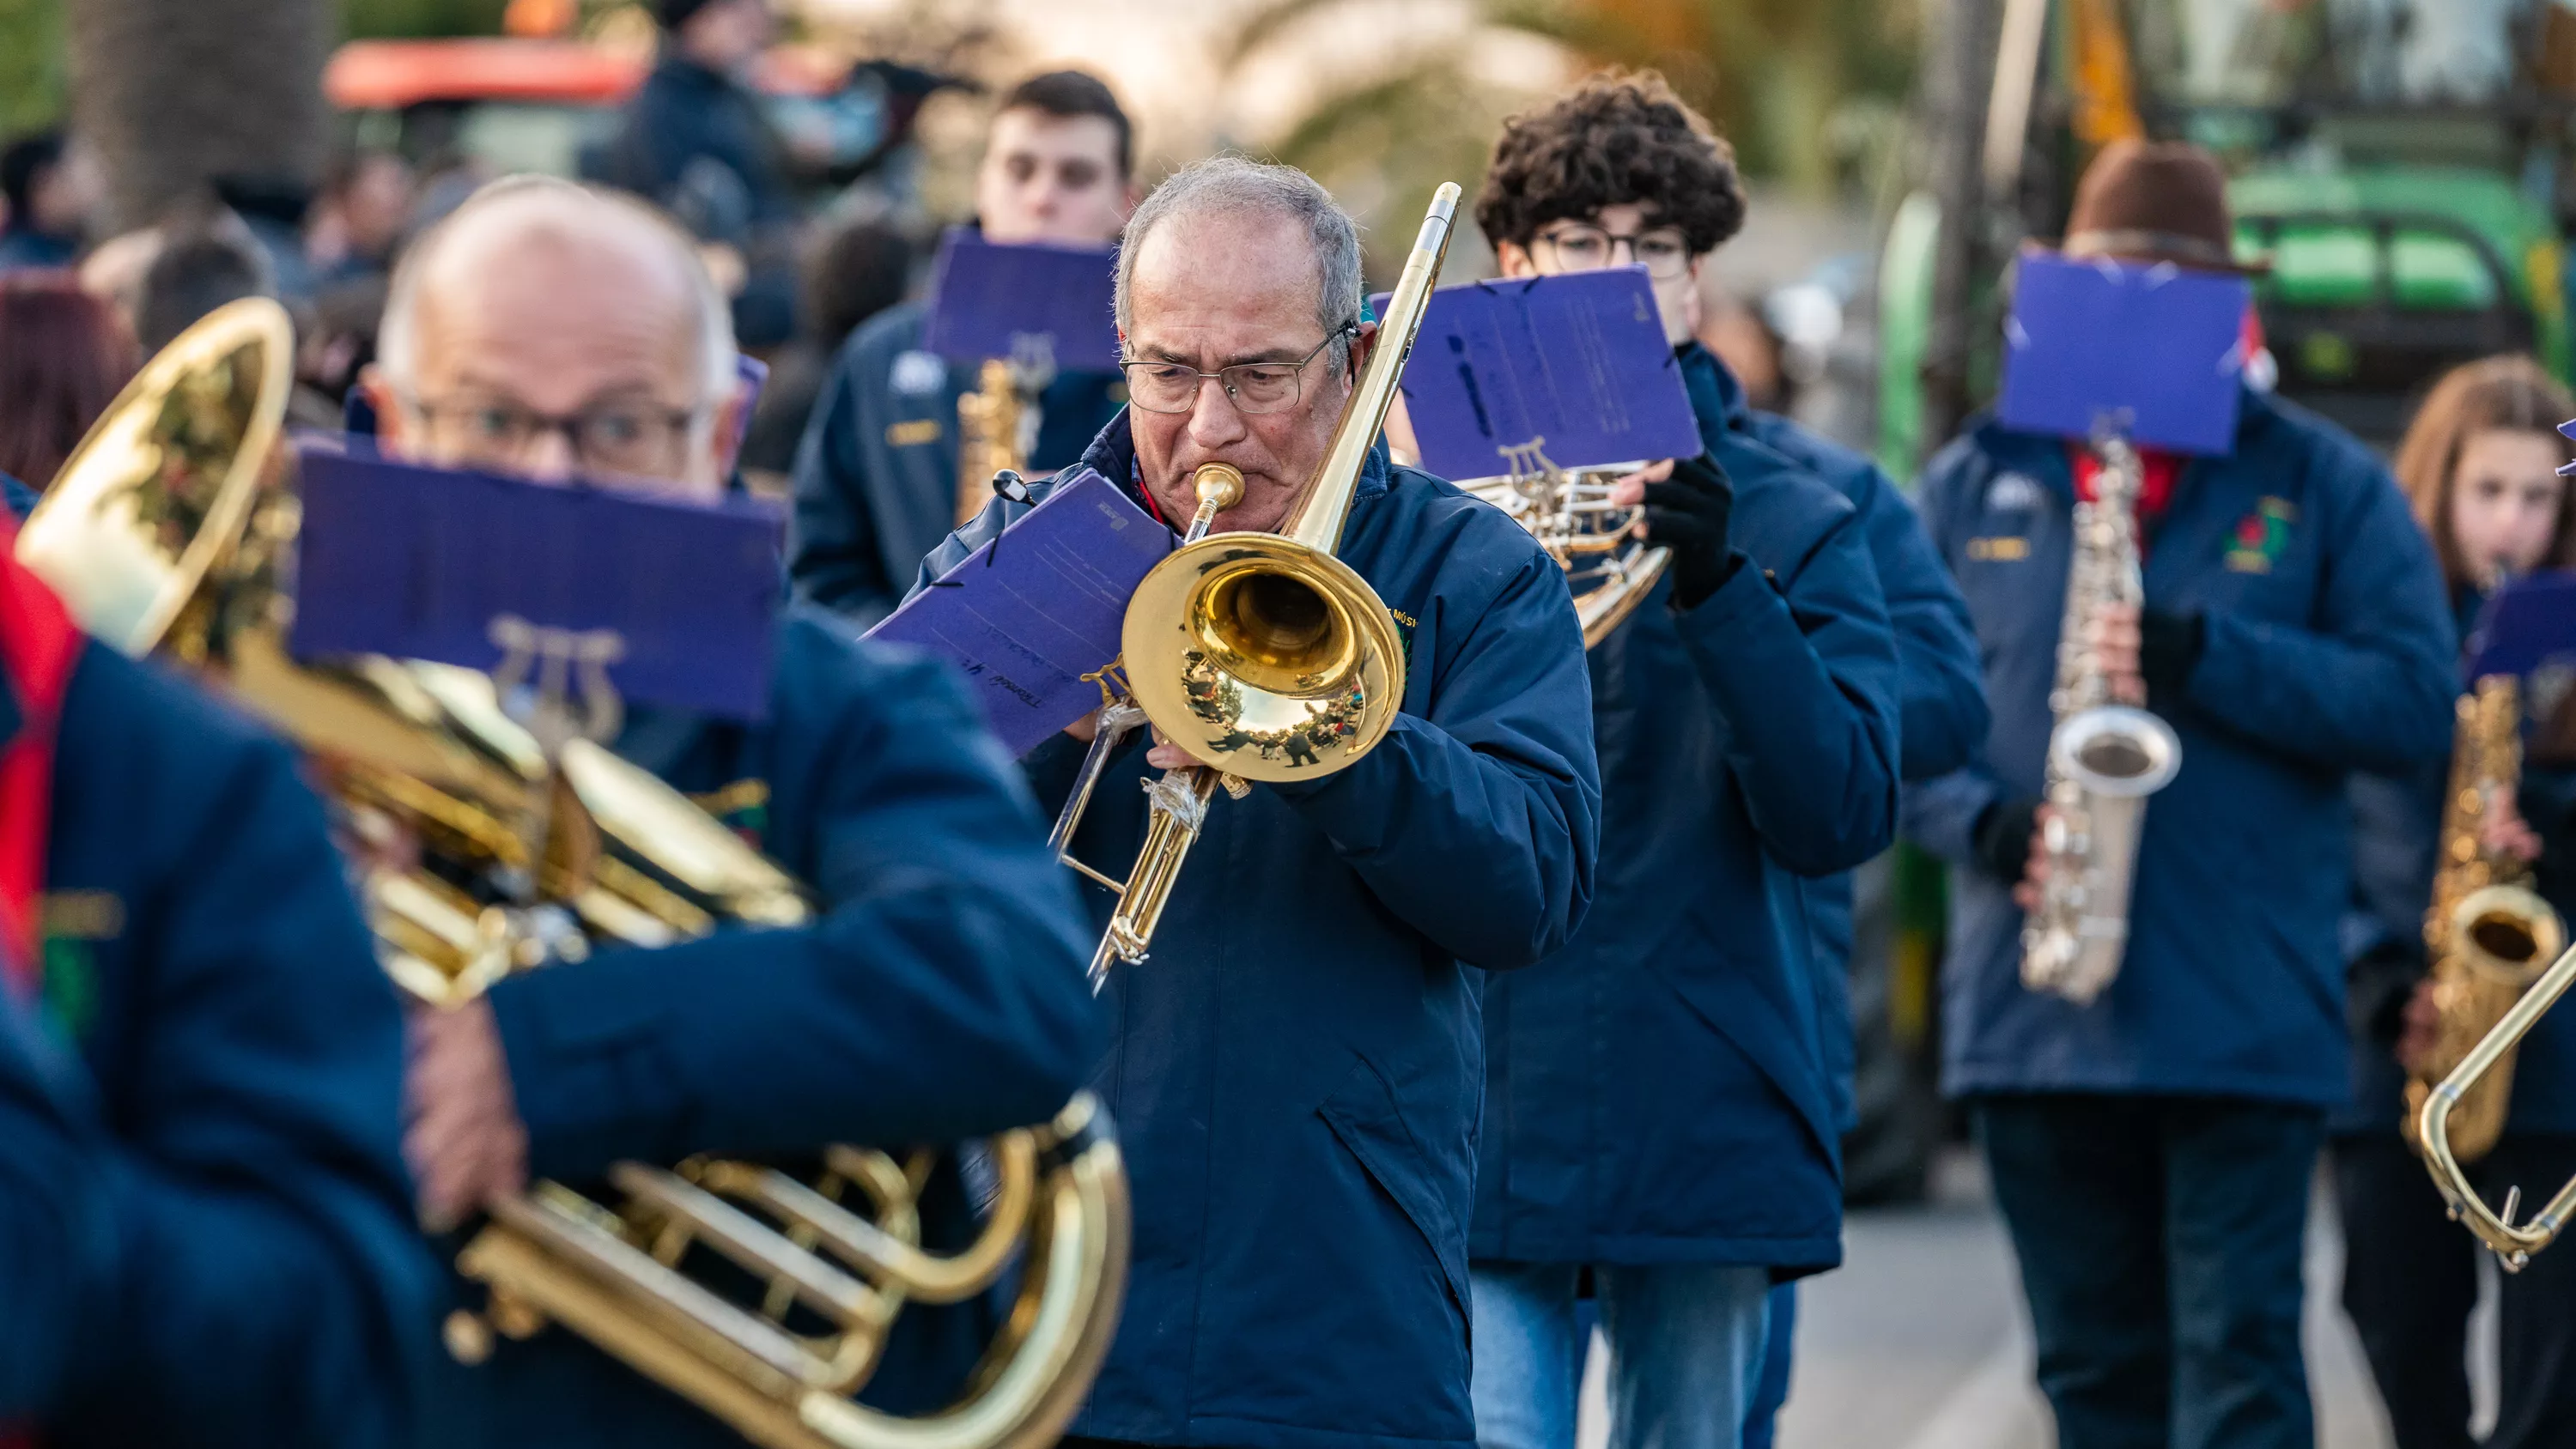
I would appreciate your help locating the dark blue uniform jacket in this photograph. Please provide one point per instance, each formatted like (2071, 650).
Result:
(1941, 696)
(1297, 1068)
(939, 997)
(876, 478)
(2397, 821)
(1658, 1090)
(2328, 651)
(228, 1257)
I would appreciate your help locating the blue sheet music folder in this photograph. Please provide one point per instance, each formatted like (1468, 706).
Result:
(1029, 614)
(417, 562)
(1576, 364)
(2530, 624)
(2156, 352)
(989, 300)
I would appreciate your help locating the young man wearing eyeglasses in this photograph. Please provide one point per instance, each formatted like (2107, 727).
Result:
(876, 478)
(1665, 1096)
(1296, 1068)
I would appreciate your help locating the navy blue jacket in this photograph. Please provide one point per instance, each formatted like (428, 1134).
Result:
(696, 141)
(1297, 1068)
(2397, 822)
(876, 478)
(939, 997)
(1941, 694)
(2328, 650)
(1658, 1090)
(230, 1256)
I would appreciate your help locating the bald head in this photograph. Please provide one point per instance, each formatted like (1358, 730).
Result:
(552, 330)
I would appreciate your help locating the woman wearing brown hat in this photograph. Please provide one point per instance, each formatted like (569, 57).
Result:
(2152, 1150)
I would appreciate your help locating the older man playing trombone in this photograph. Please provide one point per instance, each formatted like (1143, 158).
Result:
(1297, 1067)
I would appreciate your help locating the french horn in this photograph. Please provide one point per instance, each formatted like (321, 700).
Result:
(170, 531)
(1610, 568)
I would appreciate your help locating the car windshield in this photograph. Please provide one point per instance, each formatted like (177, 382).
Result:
(2347, 52)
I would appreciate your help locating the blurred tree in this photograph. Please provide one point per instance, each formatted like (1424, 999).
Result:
(31, 64)
(1777, 76)
(176, 93)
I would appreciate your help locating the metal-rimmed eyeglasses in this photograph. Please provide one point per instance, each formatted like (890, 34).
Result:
(1582, 247)
(1253, 387)
(617, 435)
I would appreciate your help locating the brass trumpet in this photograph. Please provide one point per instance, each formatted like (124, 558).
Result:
(171, 530)
(1261, 650)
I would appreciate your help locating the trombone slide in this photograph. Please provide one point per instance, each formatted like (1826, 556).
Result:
(2513, 1244)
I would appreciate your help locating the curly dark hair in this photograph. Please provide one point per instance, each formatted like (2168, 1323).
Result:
(1617, 137)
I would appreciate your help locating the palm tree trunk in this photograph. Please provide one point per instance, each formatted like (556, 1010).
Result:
(177, 93)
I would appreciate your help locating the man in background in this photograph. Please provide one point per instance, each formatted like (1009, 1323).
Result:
(876, 480)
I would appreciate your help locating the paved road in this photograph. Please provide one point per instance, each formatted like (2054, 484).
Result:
(1919, 1341)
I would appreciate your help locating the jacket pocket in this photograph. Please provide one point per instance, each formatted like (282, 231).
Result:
(1363, 1114)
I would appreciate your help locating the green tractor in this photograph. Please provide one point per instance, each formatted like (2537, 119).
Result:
(2403, 165)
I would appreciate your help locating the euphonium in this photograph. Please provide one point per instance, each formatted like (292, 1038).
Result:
(2488, 933)
(1610, 568)
(1260, 649)
(171, 530)
(2104, 758)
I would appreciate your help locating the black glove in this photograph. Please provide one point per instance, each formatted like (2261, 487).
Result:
(2001, 840)
(2169, 648)
(1688, 515)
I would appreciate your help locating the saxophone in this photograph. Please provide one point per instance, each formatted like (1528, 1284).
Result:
(996, 427)
(2489, 934)
(2104, 758)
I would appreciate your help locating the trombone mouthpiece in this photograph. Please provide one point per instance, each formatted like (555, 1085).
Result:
(1219, 485)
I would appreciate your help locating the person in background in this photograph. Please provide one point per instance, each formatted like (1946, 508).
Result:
(1748, 720)
(2152, 1151)
(858, 269)
(53, 191)
(64, 355)
(876, 479)
(207, 258)
(358, 218)
(696, 143)
(2480, 464)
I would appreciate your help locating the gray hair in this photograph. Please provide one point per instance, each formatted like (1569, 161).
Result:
(398, 335)
(1222, 185)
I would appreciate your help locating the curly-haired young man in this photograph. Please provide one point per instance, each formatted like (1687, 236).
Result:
(1664, 1096)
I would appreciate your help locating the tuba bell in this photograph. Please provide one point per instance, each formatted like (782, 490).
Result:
(171, 530)
(1608, 565)
(1259, 649)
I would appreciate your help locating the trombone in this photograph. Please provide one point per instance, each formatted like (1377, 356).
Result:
(1259, 649)
(2513, 1243)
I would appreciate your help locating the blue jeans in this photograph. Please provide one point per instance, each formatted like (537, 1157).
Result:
(1685, 1353)
(1771, 1394)
(2160, 1242)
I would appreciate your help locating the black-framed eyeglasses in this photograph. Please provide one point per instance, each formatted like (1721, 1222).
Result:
(1253, 387)
(1581, 247)
(632, 435)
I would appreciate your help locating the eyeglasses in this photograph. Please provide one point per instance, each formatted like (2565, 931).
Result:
(1253, 387)
(618, 436)
(1582, 247)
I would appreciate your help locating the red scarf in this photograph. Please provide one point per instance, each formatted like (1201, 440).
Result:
(39, 644)
(2157, 474)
